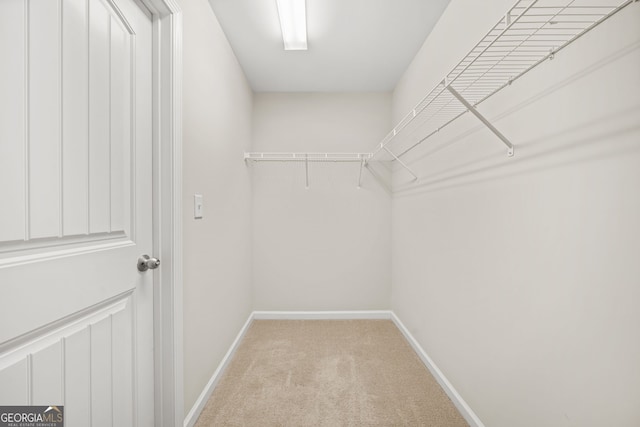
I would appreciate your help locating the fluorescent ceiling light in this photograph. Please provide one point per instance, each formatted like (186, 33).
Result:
(293, 21)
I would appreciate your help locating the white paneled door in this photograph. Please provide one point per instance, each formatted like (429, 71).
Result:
(76, 315)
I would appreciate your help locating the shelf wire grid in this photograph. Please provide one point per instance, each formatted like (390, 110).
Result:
(531, 32)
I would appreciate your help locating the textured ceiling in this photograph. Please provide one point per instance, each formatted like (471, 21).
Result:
(354, 45)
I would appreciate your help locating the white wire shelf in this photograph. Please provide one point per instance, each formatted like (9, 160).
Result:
(307, 157)
(531, 32)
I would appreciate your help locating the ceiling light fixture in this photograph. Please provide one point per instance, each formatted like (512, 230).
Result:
(293, 22)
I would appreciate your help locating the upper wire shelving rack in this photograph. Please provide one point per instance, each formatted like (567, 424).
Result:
(531, 32)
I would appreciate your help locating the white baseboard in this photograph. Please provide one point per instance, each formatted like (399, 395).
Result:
(458, 401)
(322, 315)
(198, 406)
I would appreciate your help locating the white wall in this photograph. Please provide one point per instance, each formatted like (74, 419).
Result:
(217, 255)
(520, 276)
(326, 247)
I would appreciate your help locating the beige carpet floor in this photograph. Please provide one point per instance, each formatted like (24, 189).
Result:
(327, 373)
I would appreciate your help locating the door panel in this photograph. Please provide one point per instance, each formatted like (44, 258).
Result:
(67, 130)
(120, 130)
(14, 374)
(45, 374)
(76, 317)
(75, 118)
(77, 371)
(43, 116)
(73, 362)
(99, 119)
(12, 120)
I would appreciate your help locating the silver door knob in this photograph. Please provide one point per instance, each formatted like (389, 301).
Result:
(147, 263)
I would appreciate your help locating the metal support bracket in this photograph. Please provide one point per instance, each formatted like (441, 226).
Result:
(306, 170)
(415, 177)
(360, 173)
(486, 122)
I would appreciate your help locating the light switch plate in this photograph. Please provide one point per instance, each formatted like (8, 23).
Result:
(198, 206)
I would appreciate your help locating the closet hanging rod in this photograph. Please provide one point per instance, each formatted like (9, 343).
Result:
(306, 157)
(527, 36)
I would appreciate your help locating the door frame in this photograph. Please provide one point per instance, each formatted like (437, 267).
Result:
(167, 210)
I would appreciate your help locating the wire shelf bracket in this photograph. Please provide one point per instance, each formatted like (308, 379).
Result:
(362, 164)
(486, 122)
(407, 168)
